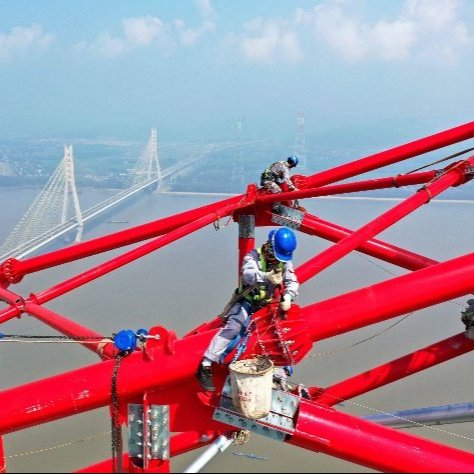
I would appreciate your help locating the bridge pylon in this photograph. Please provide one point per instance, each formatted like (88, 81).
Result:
(148, 164)
(70, 192)
(238, 176)
(48, 216)
(300, 142)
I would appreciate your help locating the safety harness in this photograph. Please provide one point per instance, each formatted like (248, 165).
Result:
(251, 301)
(258, 296)
(269, 175)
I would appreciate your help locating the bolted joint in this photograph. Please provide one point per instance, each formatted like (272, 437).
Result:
(9, 271)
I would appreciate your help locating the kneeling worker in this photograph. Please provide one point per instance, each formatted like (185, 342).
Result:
(264, 269)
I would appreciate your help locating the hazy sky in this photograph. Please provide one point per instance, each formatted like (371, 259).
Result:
(191, 67)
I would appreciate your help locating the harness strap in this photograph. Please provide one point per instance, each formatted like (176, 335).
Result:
(243, 330)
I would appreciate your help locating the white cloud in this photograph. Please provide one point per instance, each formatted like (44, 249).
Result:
(142, 31)
(355, 40)
(190, 36)
(426, 28)
(146, 31)
(22, 40)
(444, 35)
(269, 40)
(109, 46)
(205, 8)
(139, 32)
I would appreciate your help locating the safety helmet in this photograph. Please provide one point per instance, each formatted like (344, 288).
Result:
(283, 243)
(292, 160)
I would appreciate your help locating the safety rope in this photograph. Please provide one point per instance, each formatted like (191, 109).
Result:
(59, 446)
(350, 346)
(32, 339)
(242, 345)
(217, 223)
(235, 299)
(454, 155)
(414, 423)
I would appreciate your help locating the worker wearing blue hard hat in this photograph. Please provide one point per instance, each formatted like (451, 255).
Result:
(264, 270)
(278, 174)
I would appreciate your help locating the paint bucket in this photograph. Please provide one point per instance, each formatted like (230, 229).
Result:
(251, 384)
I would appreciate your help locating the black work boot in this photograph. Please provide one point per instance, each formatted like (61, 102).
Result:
(204, 375)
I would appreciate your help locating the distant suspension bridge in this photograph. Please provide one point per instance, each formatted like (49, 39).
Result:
(56, 210)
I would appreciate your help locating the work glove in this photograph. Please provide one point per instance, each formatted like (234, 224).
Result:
(275, 277)
(285, 305)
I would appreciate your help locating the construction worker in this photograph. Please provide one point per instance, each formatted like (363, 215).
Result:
(263, 270)
(467, 316)
(278, 174)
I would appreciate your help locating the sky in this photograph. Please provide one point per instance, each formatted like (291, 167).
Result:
(194, 68)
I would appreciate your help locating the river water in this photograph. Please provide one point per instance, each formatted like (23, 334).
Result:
(190, 281)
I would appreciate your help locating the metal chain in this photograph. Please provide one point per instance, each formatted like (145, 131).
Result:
(114, 415)
(241, 437)
(281, 339)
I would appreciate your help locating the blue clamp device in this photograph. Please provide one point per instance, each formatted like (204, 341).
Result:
(126, 340)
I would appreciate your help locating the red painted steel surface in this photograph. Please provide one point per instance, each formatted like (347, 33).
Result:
(422, 196)
(375, 303)
(321, 428)
(3, 464)
(397, 369)
(286, 338)
(180, 443)
(393, 155)
(313, 225)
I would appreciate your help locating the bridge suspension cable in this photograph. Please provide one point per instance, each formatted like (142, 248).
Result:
(51, 206)
(47, 218)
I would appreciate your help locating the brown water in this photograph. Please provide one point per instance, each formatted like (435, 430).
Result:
(169, 288)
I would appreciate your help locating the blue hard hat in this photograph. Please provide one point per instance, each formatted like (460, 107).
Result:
(283, 243)
(292, 160)
(288, 370)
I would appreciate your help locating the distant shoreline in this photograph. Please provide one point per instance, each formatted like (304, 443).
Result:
(355, 198)
(211, 194)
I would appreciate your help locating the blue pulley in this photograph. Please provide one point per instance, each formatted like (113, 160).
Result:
(125, 340)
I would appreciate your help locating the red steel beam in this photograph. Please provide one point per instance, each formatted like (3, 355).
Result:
(422, 288)
(390, 156)
(180, 443)
(372, 304)
(366, 306)
(345, 246)
(396, 369)
(3, 462)
(89, 339)
(96, 343)
(19, 268)
(323, 429)
(359, 186)
(318, 428)
(87, 388)
(313, 225)
(117, 262)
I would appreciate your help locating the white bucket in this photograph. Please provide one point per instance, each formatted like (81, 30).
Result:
(251, 383)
